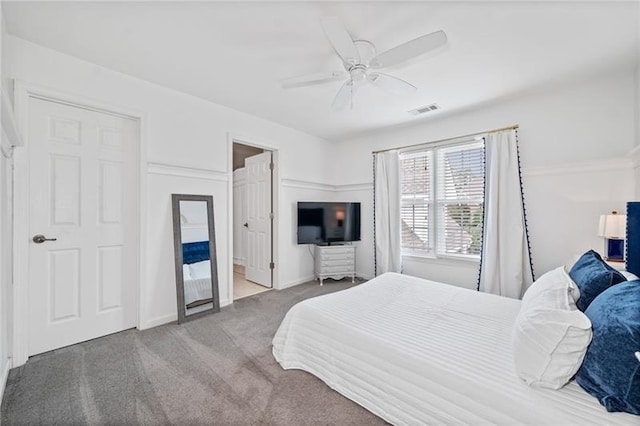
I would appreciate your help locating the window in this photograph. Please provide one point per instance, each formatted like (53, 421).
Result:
(442, 200)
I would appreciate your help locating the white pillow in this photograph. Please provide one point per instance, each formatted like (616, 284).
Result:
(200, 269)
(630, 276)
(186, 272)
(555, 280)
(550, 336)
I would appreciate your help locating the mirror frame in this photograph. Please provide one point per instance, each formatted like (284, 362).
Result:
(177, 247)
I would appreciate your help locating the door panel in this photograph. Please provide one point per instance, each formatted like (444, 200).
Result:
(64, 284)
(65, 190)
(259, 219)
(82, 191)
(110, 278)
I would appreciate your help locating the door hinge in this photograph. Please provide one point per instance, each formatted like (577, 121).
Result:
(271, 215)
(271, 166)
(272, 265)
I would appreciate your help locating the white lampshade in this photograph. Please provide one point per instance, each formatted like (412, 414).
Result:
(613, 226)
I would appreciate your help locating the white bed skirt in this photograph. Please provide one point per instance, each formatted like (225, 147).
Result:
(197, 289)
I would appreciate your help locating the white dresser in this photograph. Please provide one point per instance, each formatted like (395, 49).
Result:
(335, 262)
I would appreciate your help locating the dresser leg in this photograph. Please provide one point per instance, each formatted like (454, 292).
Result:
(353, 279)
(320, 281)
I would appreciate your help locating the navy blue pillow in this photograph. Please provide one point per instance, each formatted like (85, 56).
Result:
(610, 370)
(592, 275)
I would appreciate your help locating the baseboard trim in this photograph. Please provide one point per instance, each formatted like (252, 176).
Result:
(165, 319)
(364, 276)
(5, 376)
(297, 282)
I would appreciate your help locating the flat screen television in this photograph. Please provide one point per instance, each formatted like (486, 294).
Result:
(328, 223)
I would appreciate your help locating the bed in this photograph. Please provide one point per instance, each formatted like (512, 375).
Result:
(414, 351)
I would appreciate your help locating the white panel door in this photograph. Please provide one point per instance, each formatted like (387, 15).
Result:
(82, 192)
(258, 248)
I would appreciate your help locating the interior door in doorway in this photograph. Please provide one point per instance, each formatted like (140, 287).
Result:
(83, 261)
(259, 218)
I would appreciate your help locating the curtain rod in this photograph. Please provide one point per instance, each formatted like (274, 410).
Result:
(514, 127)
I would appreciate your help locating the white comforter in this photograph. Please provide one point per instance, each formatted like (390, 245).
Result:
(420, 352)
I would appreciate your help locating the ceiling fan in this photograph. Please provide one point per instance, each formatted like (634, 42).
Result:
(362, 63)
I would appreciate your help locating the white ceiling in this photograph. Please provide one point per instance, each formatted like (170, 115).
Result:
(236, 53)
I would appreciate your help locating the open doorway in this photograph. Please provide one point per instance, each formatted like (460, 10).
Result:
(252, 220)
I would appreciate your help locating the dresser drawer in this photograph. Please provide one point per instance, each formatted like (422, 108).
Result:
(337, 269)
(336, 256)
(336, 262)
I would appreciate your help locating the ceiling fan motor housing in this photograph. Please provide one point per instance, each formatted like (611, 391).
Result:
(358, 71)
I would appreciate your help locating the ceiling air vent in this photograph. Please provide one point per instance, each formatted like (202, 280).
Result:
(422, 110)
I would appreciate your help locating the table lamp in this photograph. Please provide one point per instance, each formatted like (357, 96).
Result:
(613, 227)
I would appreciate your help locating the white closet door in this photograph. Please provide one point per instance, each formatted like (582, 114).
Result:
(259, 219)
(82, 184)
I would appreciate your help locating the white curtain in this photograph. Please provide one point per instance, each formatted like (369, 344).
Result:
(505, 267)
(387, 212)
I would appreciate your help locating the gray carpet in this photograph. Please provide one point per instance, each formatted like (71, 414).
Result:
(215, 370)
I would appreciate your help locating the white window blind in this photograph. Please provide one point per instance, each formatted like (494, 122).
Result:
(460, 199)
(416, 181)
(442, 200)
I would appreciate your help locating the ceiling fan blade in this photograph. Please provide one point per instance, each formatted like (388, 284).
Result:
(409, 50)
(340, 39)
(344, 96)
(312, 79)
(391, 84)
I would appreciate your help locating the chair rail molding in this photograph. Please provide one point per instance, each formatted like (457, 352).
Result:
(186, 171)
(584, 167)
(634, 156)
(318, 186)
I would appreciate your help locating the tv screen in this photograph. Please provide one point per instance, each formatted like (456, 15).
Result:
(326, 223)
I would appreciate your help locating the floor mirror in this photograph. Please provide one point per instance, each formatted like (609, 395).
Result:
(195, 255)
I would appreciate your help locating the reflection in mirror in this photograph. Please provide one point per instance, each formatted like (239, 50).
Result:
(196, 269)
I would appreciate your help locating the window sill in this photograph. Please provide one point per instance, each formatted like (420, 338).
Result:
(442, 260)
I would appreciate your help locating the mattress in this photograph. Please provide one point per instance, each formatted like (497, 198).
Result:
(197, 289)
(414, 351)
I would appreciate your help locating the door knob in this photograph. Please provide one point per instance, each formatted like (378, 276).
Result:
(39, 239)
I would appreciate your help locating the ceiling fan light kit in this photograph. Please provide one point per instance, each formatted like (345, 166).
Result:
(361, 63)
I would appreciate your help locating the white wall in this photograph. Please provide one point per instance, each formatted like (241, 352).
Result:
(636, 154)
(6, 237)
(187, 151)
(6, 231)
(5, 263)
(637, 111)
(574, 141)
